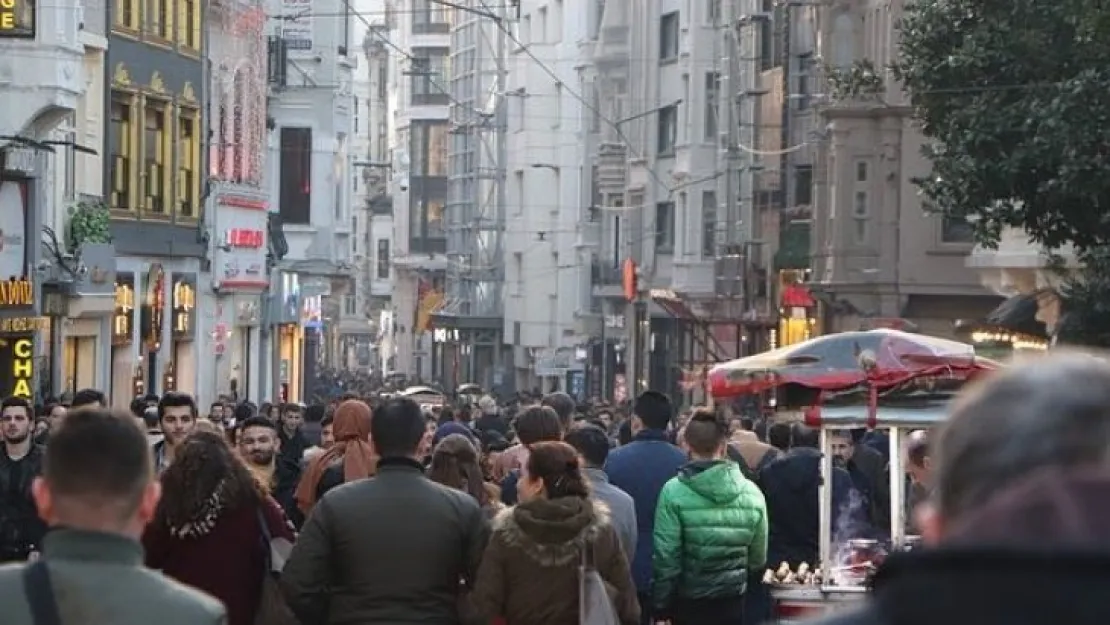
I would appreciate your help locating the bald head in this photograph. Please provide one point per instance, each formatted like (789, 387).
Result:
(1052, 411)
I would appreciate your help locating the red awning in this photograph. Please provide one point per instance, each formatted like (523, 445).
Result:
(796, 296)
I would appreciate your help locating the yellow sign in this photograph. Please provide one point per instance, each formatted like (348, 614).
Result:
(17, 292)
(17, 18)
(23, 325)
(23, 367)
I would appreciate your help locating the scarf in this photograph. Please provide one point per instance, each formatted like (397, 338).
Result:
(351, 425)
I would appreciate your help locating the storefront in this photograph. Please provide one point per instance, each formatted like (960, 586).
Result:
(241, 279)
(288, 338)
(87, 342)
(20, 330)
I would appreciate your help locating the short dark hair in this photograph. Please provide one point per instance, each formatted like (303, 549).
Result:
(1048, 412)
(99, 454)
(537, 424)
(397, 428)
(780, 436)
(173, 399)
(624, 432)
(292, 407)
(563, 406)
(327, 420)
(591, 443)
(88, 397)
(14, 401)
(705, 431)
(556, 464)
(256, 422)
(654, 409)
(805, 436)
(244, 411)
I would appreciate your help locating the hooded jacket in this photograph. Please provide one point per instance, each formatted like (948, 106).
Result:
(710, 530)
(529, 573)
(1038, 554)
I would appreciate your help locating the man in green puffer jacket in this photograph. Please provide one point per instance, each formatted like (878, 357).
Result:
(710, 531)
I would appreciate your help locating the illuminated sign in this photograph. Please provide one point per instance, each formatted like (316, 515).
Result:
(17, 292)
(17, 19)
(123, 318)
(23, 325)
(17, 366)
(184, 305)
(244, 237)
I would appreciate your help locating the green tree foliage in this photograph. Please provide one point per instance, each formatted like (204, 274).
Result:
(1012, 98)
(1086, 303)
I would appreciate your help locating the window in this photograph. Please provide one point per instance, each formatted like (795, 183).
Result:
(557, 119)
(429, 149)
(860, 212)
(350, 305)
(159, 19)
(803, 184)
(956, 229)
(295, 196)
(188, 164)
(354, 233)
(664, 227)
(712, 12)
(668, 129)
(124, 151)
(188, 23)
(426, 13)
(541, 26)
(708, 223)
(70, 190)
(126, 14)
(861, 171)
(428, 71)
(668, 36)
(712, 98)
(518, 274)
(355, 113)
(156, 156)
(383, 259)
(240, 169)
(804, 79)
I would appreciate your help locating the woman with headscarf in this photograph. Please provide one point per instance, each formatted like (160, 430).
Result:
(350, 458)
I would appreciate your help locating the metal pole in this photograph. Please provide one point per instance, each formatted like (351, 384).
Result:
(729, 94)
(502, 121)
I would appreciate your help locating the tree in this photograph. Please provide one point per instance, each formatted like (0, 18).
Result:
(1011, 99)
(1010, 96)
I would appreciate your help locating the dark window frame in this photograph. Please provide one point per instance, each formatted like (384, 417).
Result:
(295, 166)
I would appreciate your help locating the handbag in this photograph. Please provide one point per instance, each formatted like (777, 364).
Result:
(272, 609)
(40, 594)
(594, 605)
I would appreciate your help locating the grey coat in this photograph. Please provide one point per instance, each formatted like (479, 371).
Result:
(99, 579)
(622, 509)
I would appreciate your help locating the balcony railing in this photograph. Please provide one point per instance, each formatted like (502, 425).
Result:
(605, 273)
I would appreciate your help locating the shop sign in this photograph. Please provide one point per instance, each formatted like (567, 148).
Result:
(240, 263)
(23, 325)
(17, 293)
(17, 19)
(16, 288)
(184, 305)
(123, 319)
(154, 306)
(17, 361)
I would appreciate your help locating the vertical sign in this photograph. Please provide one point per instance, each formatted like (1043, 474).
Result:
(17, 365)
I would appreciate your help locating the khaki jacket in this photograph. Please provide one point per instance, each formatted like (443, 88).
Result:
(99, 579)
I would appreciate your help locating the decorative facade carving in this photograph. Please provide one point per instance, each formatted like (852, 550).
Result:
(121, 77)
(157, 85)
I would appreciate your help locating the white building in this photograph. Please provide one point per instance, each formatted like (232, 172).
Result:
(82, 356)
(419, 139)
(309, 156)
(549, 309)
(371, 215)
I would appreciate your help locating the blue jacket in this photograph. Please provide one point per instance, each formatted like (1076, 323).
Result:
(641, 468)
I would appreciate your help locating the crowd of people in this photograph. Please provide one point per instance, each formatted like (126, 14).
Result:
(378, 510)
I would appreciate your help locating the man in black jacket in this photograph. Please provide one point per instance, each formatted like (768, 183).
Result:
(389, 549)
(21, 530)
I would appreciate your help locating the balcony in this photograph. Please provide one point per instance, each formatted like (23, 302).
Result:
(606, 279)
(693, 277)
(1018, 266)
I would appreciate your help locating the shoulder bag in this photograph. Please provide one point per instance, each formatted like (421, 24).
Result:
(272, 609)
(594, 605)
(40, 594)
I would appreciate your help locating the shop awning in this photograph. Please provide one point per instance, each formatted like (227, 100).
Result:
(1018, 315)
(796, 296)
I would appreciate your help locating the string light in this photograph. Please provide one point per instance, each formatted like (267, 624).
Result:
(1016, 341)
(239, 87)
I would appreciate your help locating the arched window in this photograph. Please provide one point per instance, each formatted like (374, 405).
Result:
(240, 135)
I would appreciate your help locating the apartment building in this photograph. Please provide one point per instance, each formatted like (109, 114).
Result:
(155, 139)
(309, 161)
(550, 314)
(877, 256)
(418, 77)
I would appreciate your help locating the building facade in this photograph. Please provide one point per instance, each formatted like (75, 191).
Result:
(418, 78)
(309, 158)
(550, 314)
(878, 257)
(155, 140)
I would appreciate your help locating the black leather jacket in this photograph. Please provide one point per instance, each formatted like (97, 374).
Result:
(21, 529)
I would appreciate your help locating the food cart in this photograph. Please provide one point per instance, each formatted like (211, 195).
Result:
(883, 379)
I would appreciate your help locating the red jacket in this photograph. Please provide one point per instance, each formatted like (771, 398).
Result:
(226, 563)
